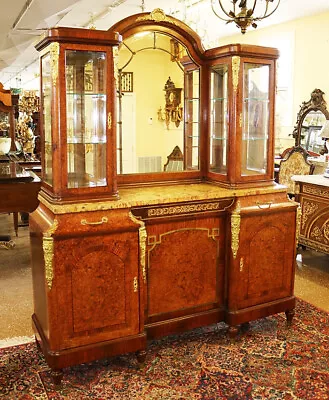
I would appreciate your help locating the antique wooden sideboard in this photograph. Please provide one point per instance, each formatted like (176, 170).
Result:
(121, 256)
(313, 195)
(18, 193)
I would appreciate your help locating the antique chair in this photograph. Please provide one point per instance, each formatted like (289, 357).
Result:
(294, 163)
(175, 161)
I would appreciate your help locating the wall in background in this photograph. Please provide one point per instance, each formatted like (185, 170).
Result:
(303, 65)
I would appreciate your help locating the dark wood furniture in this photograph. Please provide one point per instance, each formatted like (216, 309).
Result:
(18, 191)
(313, 196)
(166, 251)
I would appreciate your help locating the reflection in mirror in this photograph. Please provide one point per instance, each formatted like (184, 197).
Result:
(310, 137)
(157, 104)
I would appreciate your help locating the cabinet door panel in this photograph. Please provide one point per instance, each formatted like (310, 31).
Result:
(185, 267)
(99, 296)
(263, 270)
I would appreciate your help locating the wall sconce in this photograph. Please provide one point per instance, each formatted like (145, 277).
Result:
(173, 111)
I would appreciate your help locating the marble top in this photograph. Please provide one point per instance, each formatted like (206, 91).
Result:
(145, 196)
(319, 180)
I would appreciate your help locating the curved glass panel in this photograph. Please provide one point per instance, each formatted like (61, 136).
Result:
(219, 118)
(46, 107)
(255, 128)
(158, 106)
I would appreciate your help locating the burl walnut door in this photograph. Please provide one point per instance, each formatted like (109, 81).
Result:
(99, 296)
(263, 269)
(185, 266)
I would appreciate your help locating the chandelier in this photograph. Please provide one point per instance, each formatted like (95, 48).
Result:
(244, 16)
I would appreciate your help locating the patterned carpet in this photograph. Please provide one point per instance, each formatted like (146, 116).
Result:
(268, 361)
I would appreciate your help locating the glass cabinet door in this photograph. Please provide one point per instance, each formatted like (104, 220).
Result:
(46, 96)
(192, 123)
(255, 119)
(86, 110)
(218, 119)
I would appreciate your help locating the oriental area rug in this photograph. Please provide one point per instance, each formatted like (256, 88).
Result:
(267, 361)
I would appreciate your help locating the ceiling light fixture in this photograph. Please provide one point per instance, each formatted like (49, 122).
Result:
(243, 16)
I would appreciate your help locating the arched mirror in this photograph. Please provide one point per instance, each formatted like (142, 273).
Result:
(310, 120)
(158, 105)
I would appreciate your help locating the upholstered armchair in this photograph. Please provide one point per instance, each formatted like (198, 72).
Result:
(175, 161)
(294, 163)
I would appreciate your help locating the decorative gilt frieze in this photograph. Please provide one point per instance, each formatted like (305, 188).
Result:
(142, 243)
(157, 15)
(184, 209)
(54, 55)
(317, 191)
(309, 208)
(235, 72)
(235, 229)
(314, 244)
(48, 253)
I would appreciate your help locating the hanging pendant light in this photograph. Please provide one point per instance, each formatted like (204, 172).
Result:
(243, 16)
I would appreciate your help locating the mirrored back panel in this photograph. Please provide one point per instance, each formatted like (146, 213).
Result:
(158, 106)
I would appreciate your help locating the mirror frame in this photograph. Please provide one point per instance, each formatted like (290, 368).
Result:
(316, 103)
(158, 21)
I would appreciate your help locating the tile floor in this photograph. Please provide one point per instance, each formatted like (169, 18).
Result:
(16, 296)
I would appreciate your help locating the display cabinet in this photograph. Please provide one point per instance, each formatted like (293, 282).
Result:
(121, 255)
(241, 120)
(78, 113)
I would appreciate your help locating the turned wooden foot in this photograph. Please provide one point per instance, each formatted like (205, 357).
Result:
(290, 315)
(232, 332)
(245, 327)
(57, 376)
(141, 357)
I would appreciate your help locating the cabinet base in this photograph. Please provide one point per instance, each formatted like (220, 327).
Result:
(238, 317)
(82, 354)
(181, 324)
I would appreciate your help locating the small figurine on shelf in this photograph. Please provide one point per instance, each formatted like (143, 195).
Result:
(5, 141)
(25, 135)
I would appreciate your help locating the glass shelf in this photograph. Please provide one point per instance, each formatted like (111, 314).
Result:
(86, 122)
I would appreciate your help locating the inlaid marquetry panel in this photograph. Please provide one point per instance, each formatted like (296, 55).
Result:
(262, 270)
(180, 276)
(98, 276)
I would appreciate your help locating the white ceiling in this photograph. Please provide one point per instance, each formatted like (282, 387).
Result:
(24, 20)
